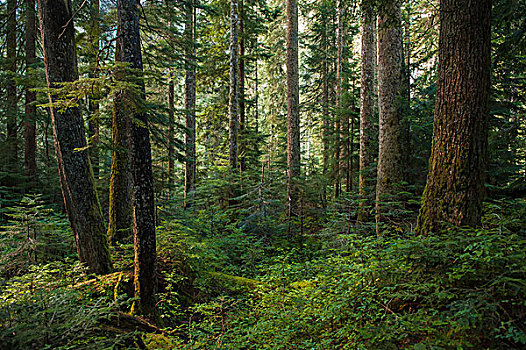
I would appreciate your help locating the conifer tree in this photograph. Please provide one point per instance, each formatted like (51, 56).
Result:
(293, 119)
(455, 183)
(76, 178)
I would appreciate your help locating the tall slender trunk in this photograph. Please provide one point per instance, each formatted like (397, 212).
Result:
(145, 262)
(93, 102)
(242, 121)
(234, 90)
(30, 162)
(457, 167)
(171, 134)
(325, 112)
(120, 224)
(406, 95)
(76, 179)
(367, 109)
(390, 63)
(293, 120)
(190, 96)
(12, 100)
(120, 227)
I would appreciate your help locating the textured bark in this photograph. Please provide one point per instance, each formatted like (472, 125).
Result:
(171, 134)
(145, 262)
(233, 125)
(325, 112)
(30, 148)
(367, 110)
(455, 183)
(242, 117)
(76, 178)
(120, 196)
(190, 163)
(93, 102)
(12, 139)
(390, 65)
(293, 120)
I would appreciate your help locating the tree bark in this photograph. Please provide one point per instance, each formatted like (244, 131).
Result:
(325, 112)
(190, 96)
(93, 102)
(171, 134)
(368, 130)
(120, 192)
(234, 90)
(76, 177)
(293, 120)
(242, 116)
(12, 100)
(390, 65)
(145, 262)
(455, 183)
(30, 162)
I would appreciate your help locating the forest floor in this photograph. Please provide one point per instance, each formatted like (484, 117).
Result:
(232, 285)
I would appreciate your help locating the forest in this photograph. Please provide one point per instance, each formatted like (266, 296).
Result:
(263, 174)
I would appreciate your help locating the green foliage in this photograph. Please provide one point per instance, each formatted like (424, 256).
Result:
(460, 289)
(33, 234)
(43, 309)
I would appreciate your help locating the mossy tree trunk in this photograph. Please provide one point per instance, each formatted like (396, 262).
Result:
(242, 112)
(76, 177)
(293, 119)
(145, 262)
(368, 130)
(455, 183)
(12, 100)
(190, 95)
(30, 147)
(390, 103)
(234, 89)
(93, 102)
(120, 224)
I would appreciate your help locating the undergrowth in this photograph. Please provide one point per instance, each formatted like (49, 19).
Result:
(226, 285)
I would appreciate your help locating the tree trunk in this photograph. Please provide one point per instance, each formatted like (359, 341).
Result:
(120, 196)
(12, 100)
(293, 120)
(390, 63)
(190, 139)
(455, 183)
(242, 121)
(234, 91)
(93, 103)
(76, 178)
(325, 113)
(171, 134)
(30, 162)
(145, 262)
(367, 110)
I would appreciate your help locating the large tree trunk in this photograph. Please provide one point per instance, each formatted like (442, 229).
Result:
(293, 120)
(390, 65)
(93, 103)
(367, 110)
(30, 162)
(76, 178)
(455, 183)
(120, 224)
(234, 90)
(145, 262)
(12, 139)
(190, 139)
(120, 196)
